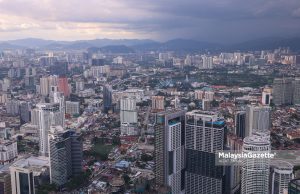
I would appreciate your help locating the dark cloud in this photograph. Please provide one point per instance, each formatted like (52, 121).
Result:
(210, 20)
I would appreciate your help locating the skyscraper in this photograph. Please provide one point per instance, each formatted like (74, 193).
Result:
(204, 137)
(169, 150)
(65, 153)
(44, 116)
(44, 86)
(283, 91)
(255, 171)
(128, 111)
(25, 108)
(257, 119)
(207, 62)
(63, 86)
(281, 175)
(107, 98)
(240, 124)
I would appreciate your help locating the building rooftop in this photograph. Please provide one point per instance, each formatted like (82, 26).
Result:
(31, 162)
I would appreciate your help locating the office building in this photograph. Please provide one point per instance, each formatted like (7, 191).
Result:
(255, 171)
(158, 103)
(283, 91)
(169, 150)
(128, 111)
(205, 132)
(257, 119)
(240, 124)
(44, 116)
(28, 173)
(280, 176)
(25, 108)
(72, 108)
(107, 98)
(65, 153)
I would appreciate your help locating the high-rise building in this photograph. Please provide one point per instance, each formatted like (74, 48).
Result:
(281, 174)
(294, 186)
(72, 108)
(158, 103)
(59, 68)
(44, 86)
(28, 173)
(169, 150)
(234, 144)
(107, 98)
(255, 171)
(65, 153)
(257, 119)
(44, 116)
(266, 96)
(283, 91)
(240, 124)
(207, 62)
(25, 108)
(205, 132)
(63, 86)
(128, 111)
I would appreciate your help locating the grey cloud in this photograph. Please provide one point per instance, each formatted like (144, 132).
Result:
(214, 20)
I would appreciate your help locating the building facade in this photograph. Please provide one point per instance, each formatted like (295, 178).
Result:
(169, 150)
(204, 137)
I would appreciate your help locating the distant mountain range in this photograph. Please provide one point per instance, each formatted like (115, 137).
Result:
(133, 45)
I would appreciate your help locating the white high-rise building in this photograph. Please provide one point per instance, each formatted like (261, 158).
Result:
(44, 116)
(44, 86)
(207, 62)
(257, 119)
(255, 171)
(128, 111)
(204, 136)
(169, 150)
(281, 175)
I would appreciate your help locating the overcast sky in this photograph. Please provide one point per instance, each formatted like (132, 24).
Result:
(206, 20)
